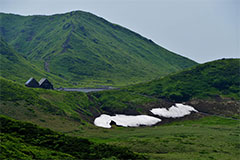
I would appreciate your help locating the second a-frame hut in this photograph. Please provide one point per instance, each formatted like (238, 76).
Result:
(32, 83)
(44, 83)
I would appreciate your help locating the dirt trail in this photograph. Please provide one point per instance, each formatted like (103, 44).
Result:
(46, 66)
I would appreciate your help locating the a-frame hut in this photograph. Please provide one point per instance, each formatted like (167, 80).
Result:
(44, 83)
(32, 83)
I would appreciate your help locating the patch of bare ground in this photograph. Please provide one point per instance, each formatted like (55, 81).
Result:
(224, 107)
(217, 106)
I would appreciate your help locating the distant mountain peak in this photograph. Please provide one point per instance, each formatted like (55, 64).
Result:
(83, 47)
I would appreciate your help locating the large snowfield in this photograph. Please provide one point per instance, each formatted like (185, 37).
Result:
(125, 120)
(177, 110)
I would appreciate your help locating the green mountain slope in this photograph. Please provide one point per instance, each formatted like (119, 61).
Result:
(212, 87)
(21, 140)
(85, 49)
(218, 78)
(15, 67)
(209, 137)
(48, 108)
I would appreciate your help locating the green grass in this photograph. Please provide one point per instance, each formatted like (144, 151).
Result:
(15, 67)
(49, 100)
(197, 83)
(14, 148)
(211, 83)
(18, 101)
(86, 50)
(208, 138)
(48, 108)
(207, 81)
(20, 140)
(70, 112)
(217, 78)
(119, 101)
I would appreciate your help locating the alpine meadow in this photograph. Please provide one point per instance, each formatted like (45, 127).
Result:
(106, 92)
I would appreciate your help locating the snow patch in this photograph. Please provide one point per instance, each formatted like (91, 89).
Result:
(177, 110)
(125, 120)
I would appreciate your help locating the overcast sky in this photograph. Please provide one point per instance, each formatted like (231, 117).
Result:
(202, 30)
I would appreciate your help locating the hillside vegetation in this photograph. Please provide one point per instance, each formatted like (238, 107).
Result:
(15, 67)
(208, 138)
(49, 108)
(217, 78)
(87, 50)
(81, 49)
(212, 81)
(215, 82)
(212, 134)
(200, 88)
(21, 140)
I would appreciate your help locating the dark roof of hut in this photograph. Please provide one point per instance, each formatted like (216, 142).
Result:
(43, 80)
(31, 80)
(44, 83)
(32, 83)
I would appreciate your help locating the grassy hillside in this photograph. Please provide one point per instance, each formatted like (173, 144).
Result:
(204, 139)
(217, 78)
(48, 108)
(15, 67)
(21, 140)
(207, 138)
(214, 90)
(87, 50)
(213, 84)
(56, 109)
